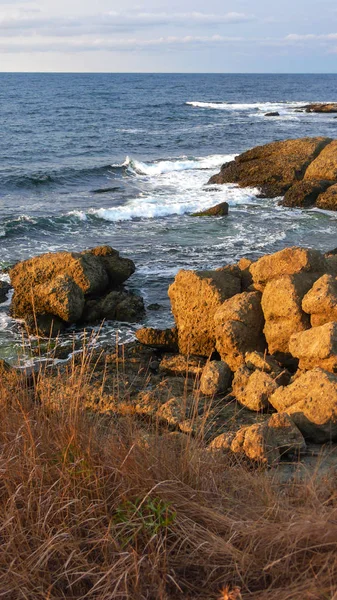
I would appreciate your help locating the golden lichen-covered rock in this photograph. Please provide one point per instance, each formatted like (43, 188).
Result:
(216, 378)
(282, 309)
(311, 402)
(289, 261)
(321, 301)
(195, 297)
(163, 339)
(316, 347)
(254, 390)
(328, 199)
(238, 328)
(273, 167)
(325, 165)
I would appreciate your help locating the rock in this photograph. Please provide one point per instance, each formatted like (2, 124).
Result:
(238, 327)
(321, 107)
(304, 194)
(46, 326)
(163, 339)
(316, 347)
(154, 306)
(219, 210)
(282, 309)
(253, 389)
(216, 378)
(286, 436)
(116, 306)
(267, 364)
(272, 114)
(321, 301)
(177, 364)
(4, 289)
(274, 167)
(325, 165)
(244, 265)
(195, 296)
(328, 199)
(58, 283)
(311, 401)
(289, 261)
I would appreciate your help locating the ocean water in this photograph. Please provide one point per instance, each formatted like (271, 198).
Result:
(121, 159)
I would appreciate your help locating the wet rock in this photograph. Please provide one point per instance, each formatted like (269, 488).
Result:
(238, 328)
(163, 339)
(316, 347)
(321, 301)
(195, 297)
(220, 210)
(274, 167)
(118, 268)
(154, 306)
(289, 261)
(303, 194)
(325, 165)
(177, 364)
(272, 114)
(45, 326)
(282, 309)
(4, 289)
(216, 378)
(116, 306)
(321, 107)
(311, 402)
(328, 199)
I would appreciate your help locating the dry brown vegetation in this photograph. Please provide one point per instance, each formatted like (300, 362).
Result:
(102, 507)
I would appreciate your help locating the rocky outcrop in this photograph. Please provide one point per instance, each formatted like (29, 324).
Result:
(325, 165)
(219, 210)
(321, 107)
(273, 168)
(238, 328)
(216, 378)
(316, 347)
(304, 194)
(321, 301)
(195, 297)
(328, 199)
(74, 287)
(311, 401)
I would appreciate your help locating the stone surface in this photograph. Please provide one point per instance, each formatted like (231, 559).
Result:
(195, 297)
(321, 107)
(303, 194)
(321, 301)
(264, 362)
(286, 435)
(254, 390)
(163, 339)
(216, 378)
(238, 327)
(272, 114)
(325, 165)
(282, 309)
(328, 199)
(274, 167)
(46, 326)
(289, 261)
(219, 210)
(176, 364)
(4, 289)
(316, 347)
(311, 401)
(117, 305)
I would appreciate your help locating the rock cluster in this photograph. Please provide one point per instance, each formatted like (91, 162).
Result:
(54, 290)
(304, 171)
(268, 333)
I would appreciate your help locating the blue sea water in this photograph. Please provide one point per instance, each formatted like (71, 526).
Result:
(121, 159)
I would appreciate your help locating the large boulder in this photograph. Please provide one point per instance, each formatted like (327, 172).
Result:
(60, 283)
(282, 309)
(328, 199)
(321, 301)
(325, 165)
(238, 328)
(303, 194)
(316, 347)
(311, 401)
(289, 261)
(195, 297)
(274, 167)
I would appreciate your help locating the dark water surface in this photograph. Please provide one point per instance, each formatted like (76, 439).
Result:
(121, 159)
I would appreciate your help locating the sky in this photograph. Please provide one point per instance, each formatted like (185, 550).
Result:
(217, 36)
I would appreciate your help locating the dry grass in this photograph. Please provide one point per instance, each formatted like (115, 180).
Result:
(102, 507)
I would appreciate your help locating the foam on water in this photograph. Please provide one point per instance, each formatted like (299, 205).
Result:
(184, 163)
(258, 106)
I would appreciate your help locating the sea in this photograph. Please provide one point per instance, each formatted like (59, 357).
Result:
(123, 159)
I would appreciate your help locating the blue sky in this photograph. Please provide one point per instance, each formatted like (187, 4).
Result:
(169, 36)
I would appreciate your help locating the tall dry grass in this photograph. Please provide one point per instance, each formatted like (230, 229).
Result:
(104, 507)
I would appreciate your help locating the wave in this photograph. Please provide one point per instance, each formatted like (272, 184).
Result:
(256, 106)
(184, 163)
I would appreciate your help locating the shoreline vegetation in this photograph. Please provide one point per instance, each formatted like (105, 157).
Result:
(196, 462)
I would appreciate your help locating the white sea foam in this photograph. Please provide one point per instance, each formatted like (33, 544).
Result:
(79, 214)
(181, 164)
